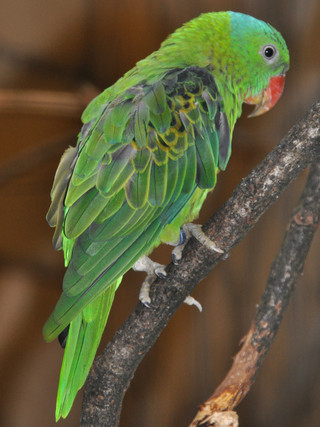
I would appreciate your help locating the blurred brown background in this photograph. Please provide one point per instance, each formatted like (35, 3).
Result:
(79, 47)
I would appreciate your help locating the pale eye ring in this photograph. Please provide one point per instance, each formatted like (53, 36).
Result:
(269, 53)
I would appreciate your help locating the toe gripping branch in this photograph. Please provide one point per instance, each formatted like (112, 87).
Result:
(154, 269)
(187, 231)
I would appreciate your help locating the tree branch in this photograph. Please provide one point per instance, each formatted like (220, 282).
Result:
(285, 272)
(29, 158)
(47, 102)
(113, 370)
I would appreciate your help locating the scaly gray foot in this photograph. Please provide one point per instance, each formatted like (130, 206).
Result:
(153, 270)
(194, 230)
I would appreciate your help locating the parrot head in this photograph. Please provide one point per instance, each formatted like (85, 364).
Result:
(247, 57)
(264, 57)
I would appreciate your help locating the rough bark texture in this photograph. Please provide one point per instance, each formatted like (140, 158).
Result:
(285, 272)
(113, 370)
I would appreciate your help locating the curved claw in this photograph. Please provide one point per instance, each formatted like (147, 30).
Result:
(160, 271)
(176, 254)
(196, 231)
(144, 295)
(192, 301)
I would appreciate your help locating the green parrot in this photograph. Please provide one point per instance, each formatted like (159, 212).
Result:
(149, 152)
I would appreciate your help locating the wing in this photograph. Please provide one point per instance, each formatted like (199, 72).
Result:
(135, 167)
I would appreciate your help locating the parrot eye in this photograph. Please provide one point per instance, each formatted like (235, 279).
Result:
(269, 53)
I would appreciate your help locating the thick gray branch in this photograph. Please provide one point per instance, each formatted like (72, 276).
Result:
(113, 370)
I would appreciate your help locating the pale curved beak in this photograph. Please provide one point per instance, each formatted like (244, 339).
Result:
(266, 99)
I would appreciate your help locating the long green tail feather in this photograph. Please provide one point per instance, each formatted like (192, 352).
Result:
(82, 343)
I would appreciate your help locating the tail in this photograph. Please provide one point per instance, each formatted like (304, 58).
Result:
(83, 339)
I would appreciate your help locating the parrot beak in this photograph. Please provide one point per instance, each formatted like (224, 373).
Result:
(266, 99)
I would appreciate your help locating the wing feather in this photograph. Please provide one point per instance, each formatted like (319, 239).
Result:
(158, 184)
(83, 212)
(206, 167)
(113, 176)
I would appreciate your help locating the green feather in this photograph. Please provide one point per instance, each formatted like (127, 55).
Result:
(115, 122)
(97, 147)
(85, 167)
(214, 141)
(111, 178)
(141, 160)
(172, 180)
(182, 170)
(61, 179)
(140, 125)
(83, 212)
(206, 169)
(160, 154)
(112, 207)
(211, 104)
(76, 191)
(156, 99)
(158, 184)
(113, 225)
(191, 173)
(152, 139)
(160, 114)
(137, 189)
(180, 146)
(161, 122)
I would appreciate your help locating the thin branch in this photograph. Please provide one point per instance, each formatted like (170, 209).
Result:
(47, 102)
(113, 370)
(44, 103)
(285, 272)
(30, 158)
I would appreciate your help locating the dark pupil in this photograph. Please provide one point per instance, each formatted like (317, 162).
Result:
(268, 52)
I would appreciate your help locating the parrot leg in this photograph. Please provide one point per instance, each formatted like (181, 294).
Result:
(187, 231)
(153, 270)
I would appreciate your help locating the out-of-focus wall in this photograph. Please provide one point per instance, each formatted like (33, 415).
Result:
(60, 45)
